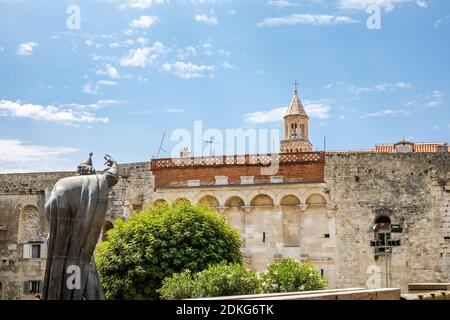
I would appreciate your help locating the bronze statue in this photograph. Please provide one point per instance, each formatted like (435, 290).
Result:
(76, 211)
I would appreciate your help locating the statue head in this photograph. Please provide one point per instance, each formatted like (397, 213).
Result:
(85, 167)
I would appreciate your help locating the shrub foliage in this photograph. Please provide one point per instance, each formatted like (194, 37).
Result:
(159, 242)
(216, 281)
(290, 276)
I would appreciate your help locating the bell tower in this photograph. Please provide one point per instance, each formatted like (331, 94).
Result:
(295, 127)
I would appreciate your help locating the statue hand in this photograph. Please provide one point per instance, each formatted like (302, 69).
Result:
(109, 160)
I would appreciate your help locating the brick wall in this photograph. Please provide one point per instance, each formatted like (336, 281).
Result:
(301, 167)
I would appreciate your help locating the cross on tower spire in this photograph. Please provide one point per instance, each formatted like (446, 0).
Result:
(296, 86)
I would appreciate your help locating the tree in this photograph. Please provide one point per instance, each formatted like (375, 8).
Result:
(159, 242)
(290, 276)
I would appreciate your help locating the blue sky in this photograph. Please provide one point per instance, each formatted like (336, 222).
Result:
(136, 69)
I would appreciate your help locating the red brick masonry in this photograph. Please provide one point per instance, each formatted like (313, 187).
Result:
(294, 167)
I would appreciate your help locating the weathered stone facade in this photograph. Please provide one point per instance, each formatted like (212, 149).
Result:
(413, 189)
(328, 223)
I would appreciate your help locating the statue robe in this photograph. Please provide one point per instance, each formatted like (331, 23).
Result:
(76, 211)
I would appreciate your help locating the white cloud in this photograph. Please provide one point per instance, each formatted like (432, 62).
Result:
(188, 70)
(422, 3)
(387, 112)
(274, 115)
(17, 156)
(436, 99)
(315, 109)
(440, 22)
(281, 3)
(157, 111)
(381, 87)
(434, 103)
(47, 113)
(107, 83)
(89, 42)
(197, 2)
(404, 85)
(100, 104)
(89, 88)
(142, 57)
(109, 71)
(297, 18)
(26, 49)
(319, 110)
(388, 5)
(142, 41)
(184, 53)
(141, 4)
(437, 94)
(211, 20)
(227, 66)
(145, 22)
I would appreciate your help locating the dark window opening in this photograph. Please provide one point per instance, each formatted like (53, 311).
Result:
(446, 238)
(35, 251)
(327, 235)
(32, 287)
(264, 237)
(382, 229)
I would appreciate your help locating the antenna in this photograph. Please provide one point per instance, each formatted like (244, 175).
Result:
(210, 142)
(161, 145)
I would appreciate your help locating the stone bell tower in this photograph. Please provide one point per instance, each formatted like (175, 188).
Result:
(295, 127)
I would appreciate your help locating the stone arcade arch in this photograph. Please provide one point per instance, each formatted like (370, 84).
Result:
(234, 202)
(262, 200)
(181, 199)
(209, 201)
(291, 220)
(159, 202)
(316, 200)
(290, 200)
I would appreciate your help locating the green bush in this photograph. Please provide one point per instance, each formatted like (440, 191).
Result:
(179, 286)
(289, 276)
(216, 281)
(159, 242)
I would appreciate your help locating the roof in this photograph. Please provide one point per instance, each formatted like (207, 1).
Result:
(296, 106)
(416, 147)
(390, 148)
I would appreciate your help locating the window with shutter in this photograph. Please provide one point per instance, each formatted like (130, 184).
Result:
(26, 251)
